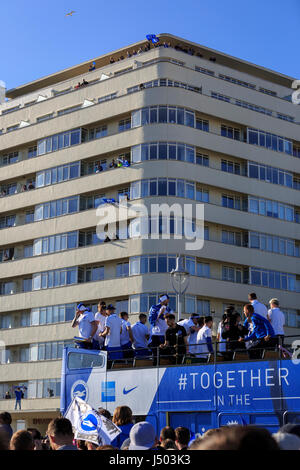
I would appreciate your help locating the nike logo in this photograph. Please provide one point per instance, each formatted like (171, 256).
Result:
(128, 391)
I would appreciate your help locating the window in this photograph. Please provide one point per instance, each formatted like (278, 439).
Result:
(270, 141)
(230, 132)
(219, 96)
(59, 141)
(230, 167)
(124, 124)
(202, 159)
(9, 158)
(232, 202)
(122, 270)
(202, 124)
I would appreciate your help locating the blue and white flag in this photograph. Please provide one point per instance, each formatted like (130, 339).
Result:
(153, 38)
(106, 200)
(88, 425)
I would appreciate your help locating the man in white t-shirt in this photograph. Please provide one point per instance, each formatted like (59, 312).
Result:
(100, 317)
(192, 327)
(87, 327)
(141, 336)
(126, 336)
(112, 334)
(204, 343)
(259, 308)
(277, 319)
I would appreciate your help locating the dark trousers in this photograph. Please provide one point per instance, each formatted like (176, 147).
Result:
(256, 349)
(175, 355)
(154, 345)
(128, 352)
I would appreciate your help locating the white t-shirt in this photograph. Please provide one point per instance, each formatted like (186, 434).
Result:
(125, 339)
(187, 323)
(222, 342)
(101, 326)
(139, 332)
(160, 325)
(192, 340)
(260, 308)
(277, 320)
(84, 323)
(113, 339)
(203, 334)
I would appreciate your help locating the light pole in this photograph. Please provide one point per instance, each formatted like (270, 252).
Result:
(180, 281)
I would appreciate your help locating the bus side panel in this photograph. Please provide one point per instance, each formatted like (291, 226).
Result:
(135, 388)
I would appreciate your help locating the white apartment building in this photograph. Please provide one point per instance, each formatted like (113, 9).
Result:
(198, 126)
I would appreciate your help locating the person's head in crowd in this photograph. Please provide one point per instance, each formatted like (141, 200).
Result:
(287, 441)
(105, 413)
(170, 320)
(195, 317)
(143, 318)
(22, 440)
(4, 439)
(164, 299)
(81, 445)
(252, 296)
(211, 432)
(122, 415)
(106, 447)
(142, 436)
(124, 316)
(91, 445)
(5, 423)
(110, 309)
(168, 444)
(274, 303)
(101, 307)
(37, 438)
(248, 310)
(5, 418)
(60, 433)
(291, 428)
(195, 444)
(201, 322)
(243, 438)
(182, 437)
(208, 321)
(167, 433)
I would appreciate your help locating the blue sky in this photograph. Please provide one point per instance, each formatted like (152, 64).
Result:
(37, 38)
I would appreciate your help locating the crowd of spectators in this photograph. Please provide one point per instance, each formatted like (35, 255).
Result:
(188, 338)
(142, 436)
(150, 45)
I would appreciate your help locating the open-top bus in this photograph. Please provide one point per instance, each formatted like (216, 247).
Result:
(263, 392)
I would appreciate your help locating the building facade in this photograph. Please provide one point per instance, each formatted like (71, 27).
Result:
(198, 127)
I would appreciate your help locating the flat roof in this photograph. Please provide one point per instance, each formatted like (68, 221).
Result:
(221, 58)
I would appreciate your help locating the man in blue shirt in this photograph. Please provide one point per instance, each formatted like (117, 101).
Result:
(262, 334)
(18, 393)
(157, 315)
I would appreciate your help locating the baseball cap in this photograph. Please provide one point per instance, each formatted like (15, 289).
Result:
(81, 307)
(110, 307)
(142, 436)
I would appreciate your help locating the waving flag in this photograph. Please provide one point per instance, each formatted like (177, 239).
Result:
(153, 38)
(106, 200)
(124, 163)
(89, 425)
